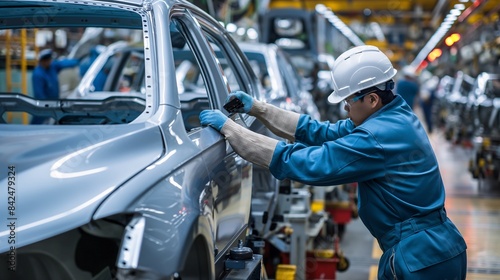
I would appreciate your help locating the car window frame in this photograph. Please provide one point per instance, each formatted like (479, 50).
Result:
(215, 32)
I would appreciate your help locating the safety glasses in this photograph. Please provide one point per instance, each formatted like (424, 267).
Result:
(349, 102)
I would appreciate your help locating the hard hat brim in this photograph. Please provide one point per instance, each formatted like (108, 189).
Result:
(335, 99)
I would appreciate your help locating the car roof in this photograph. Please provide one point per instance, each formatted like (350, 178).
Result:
(60, 13)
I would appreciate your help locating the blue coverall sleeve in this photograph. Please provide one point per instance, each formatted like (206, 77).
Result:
(65, 63)
(314, 133)
(352, 158)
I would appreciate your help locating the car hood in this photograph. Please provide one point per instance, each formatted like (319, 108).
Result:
(59, 176)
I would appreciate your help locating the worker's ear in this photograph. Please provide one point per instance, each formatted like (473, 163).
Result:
(374, 100)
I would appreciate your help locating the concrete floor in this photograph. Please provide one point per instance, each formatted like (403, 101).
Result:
(474, 209)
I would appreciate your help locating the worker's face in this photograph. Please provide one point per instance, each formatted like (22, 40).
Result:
(359, 108)
(45, 63)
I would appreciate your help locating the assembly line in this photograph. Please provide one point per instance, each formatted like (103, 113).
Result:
(176, 139)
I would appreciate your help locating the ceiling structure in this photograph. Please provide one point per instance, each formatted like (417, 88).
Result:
(403, 27)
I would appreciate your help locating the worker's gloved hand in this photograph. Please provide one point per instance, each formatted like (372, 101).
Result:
(246, 99)
(213, 118)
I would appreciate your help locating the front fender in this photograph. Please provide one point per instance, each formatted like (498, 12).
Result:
(167, 219)
(154, 248)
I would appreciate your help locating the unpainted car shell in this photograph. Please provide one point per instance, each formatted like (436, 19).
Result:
(485, 103)
(71, 176)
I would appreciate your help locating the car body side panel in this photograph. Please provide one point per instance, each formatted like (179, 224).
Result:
(171, 208)
(173, 205)
(179, 149)
(231, 181)
(74, 168)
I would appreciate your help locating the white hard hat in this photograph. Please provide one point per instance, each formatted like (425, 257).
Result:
(44, 54)
(360, 68)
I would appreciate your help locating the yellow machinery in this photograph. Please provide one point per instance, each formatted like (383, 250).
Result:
(16, 46)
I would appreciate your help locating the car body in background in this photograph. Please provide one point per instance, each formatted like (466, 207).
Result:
(458, 120)
(325, 79)
(440, 110)
(123, 185)
(484, 164)
(280, 79)
(324, 87)
(486, 104)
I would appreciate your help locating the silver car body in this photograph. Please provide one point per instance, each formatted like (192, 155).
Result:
(486, 104)
(160, 197)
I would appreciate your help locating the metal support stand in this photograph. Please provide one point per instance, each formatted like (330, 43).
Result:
(296, 212)
(252, 270)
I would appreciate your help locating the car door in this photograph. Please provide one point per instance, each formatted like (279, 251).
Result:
(230, 175)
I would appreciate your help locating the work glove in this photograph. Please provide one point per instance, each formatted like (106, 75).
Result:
(246, 99)
(213, 118)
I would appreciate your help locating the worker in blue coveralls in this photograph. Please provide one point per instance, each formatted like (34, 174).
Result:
(381, 145)
(45, 78)
(408, 86)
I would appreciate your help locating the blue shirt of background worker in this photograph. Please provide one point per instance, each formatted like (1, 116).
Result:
(408, 86)
(45, 78)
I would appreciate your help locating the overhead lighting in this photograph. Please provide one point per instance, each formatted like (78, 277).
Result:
(452, 39)
(321, 9)
(231, 27)
(450, 17)
(455, 12)
(443, 29)
(241, 31)
(252, 34)
(434, 54)
(336, 22)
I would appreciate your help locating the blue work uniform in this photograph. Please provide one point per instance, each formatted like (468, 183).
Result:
(400, 190)
(408, 89)
(46, 82)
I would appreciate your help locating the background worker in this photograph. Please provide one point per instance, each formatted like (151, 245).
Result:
(45, 78)
(408, 86)
(427, 98)
(382, 146)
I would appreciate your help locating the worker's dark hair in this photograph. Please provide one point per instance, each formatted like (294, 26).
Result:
(386, 95)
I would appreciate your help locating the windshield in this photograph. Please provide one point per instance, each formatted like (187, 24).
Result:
(47, 60)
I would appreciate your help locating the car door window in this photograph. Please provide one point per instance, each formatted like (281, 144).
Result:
(195, 93)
